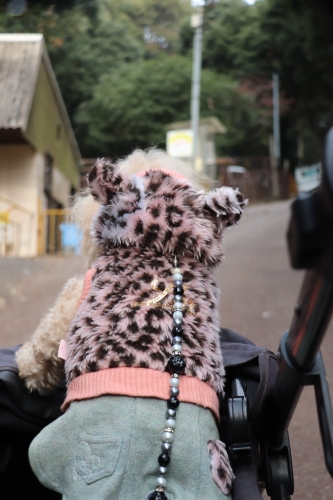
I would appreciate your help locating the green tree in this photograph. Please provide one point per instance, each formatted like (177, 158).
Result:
(81, 48)
(289, 37)
(131, 107)
(154, 22)
(296, 41)
(92, 38)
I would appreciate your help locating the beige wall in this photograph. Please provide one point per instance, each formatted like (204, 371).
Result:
(61, 187)
(21, 188)
(46, 129)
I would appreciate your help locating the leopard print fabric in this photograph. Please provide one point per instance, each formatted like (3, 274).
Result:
(142, 223)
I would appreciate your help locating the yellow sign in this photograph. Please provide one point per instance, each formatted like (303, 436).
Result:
(180, 143)
(4, 217)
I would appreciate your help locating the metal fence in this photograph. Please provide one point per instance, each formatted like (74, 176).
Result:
(16, 224)
(256, 185)
(56, 234)
(49, 231)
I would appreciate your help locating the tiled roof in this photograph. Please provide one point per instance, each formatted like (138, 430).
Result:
(20, 57)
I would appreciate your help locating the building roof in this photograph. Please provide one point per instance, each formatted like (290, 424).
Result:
(212, 124)
(20, 58)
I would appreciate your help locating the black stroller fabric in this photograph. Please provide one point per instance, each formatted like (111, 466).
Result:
(258, 368)
(23, 415)
(243, 359)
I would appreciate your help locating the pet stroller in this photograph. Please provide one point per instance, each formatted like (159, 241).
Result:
(23, 415)
(262, 390)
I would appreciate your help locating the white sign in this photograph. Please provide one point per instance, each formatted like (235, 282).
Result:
(180, 143)
(308, 178)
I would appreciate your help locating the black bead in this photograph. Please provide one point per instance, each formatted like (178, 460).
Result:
(178, 290)
(157, 495)
(173, 402)
(177, 331)
(164, 459)
(176, 364)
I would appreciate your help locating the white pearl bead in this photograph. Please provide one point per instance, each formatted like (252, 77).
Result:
(170, 422)
(167, 437)
(177, 277)
(165, 447)
(177, 340)
(177, 347)
(178, 305)
(174, 382)
(177, 315)
(161, 481)
(176, 270)
(178, 298)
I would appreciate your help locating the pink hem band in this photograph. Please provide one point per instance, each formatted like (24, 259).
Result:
(140, 382)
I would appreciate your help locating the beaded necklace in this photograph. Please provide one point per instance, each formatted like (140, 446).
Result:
(176, 366)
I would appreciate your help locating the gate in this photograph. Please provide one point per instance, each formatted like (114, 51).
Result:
(56, 234)
(16, 224)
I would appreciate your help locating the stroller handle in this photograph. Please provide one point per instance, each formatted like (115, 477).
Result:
(310, 238)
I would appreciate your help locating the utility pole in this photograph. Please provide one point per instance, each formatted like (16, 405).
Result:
(276, 136)
(196, 23)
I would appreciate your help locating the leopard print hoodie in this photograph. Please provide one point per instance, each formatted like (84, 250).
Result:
(142, 223)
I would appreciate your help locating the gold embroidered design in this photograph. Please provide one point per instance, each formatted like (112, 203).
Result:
(154, 285)
(188, 305)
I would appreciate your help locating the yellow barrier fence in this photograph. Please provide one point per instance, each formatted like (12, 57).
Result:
(49, 230)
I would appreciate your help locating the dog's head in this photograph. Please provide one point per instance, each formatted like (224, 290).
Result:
(157, 210)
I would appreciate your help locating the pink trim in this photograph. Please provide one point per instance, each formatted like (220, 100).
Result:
(140, 382)
(178, 175)
(62, 351)
(87, 284)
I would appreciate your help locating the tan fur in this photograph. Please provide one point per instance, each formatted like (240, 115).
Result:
(37, 359)
(155, 159)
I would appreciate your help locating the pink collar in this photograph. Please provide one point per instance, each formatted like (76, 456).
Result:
(178, 175)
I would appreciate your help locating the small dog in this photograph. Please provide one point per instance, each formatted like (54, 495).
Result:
(38, 362)
(150, 306)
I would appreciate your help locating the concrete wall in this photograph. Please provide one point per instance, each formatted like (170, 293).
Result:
(21, 193)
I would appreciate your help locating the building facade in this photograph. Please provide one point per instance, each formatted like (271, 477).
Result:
(39, 156)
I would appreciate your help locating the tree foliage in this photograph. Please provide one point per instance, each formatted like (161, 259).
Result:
(89, 40)
(133, 106)
(289, 37)
(124, 68)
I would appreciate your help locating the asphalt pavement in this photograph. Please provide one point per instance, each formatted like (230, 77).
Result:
(259, 291)
(258, 294)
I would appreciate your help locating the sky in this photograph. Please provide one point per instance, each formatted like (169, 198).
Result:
(197, 3)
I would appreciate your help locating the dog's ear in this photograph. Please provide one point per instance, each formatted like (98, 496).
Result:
(105, 181)
(226, 205)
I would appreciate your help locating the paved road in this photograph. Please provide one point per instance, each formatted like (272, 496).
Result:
(259, 291)
(258, 294)
(28, 288)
